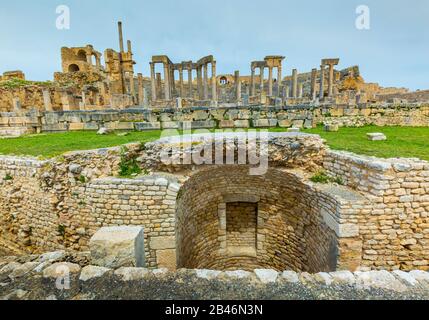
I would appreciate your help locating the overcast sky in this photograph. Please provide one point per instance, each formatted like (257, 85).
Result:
(394, 52)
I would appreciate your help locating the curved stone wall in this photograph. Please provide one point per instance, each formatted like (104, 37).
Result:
(218, 208)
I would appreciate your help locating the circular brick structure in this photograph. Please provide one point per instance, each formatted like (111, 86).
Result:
(227, 219)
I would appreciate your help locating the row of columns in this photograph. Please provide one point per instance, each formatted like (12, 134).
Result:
(262, 80)
(297, 90)
(203, 81)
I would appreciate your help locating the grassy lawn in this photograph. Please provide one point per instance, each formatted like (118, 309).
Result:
(405, 142)
(409, 142)
(53, 144)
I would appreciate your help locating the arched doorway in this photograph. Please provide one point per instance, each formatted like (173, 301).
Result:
(229, 220)
(73, 68)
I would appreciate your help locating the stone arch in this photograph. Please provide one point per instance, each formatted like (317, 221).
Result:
(73, 68)
(229, 220)
(81, 56)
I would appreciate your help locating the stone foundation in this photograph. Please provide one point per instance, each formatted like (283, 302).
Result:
(203, 216)
(37, 278)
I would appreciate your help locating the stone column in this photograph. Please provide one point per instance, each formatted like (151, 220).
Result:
(214, 83)
(141, 89)
(65, 100)
(16, 104)
(237, 85)
(331, 80)
(313, 84)
(83, 103)
(190, 91)
(167, 89)
(262, 79)
(89, 59)
(98, 62)
(287, 92)
(159, 85)
(322, 81)
(199, 82)
(47, 100)
(172, 82)
(300, 90)
(279, 80)
(181, 82)
(206, 82)
(270, 81)
(121, 38)
(132, 87)
(294, 83)
(152, 80)
(252, 82)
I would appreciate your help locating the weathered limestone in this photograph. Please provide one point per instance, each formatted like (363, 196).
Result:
(237, 85)
(294, 83)
(313, 84)
(47, 100)
(214, 83)
(115, 247)
(141, 91)
(376, 136)
(322, 82)
(331, 63)
(153, 81)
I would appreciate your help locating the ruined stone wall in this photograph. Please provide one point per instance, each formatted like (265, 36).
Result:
(148, 202)
(378, 220)
(35, 277)
(222, 117)
(395, 229)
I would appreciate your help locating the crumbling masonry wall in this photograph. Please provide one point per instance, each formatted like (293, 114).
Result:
(379, 218)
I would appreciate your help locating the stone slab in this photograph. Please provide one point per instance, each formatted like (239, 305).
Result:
(147, 126)
(114, 247)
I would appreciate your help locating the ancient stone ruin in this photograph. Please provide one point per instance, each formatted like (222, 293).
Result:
(199, 211)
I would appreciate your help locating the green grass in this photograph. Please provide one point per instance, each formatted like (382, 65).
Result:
(408, 142)
(54, 144)
(405, 142)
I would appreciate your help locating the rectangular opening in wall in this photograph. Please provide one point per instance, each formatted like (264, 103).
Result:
(241, 228)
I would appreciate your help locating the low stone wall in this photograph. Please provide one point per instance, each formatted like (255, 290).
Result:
(57, 276)
(394, 229)
(377, 220)
(253, 116)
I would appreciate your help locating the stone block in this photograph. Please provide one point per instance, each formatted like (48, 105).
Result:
(54, 127)
(91, 126)
(298, 123)
(76, 126)
(170, 125)
(376, 136)
(331, 127)
(285, 123)
(241, 124)
(125, 126)
(293, 129)
(191, 125)
(265, 123)
(166, 259)
(226, 124)
(147, 126)
(115, 247)
(308, 124)
(166, 242)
